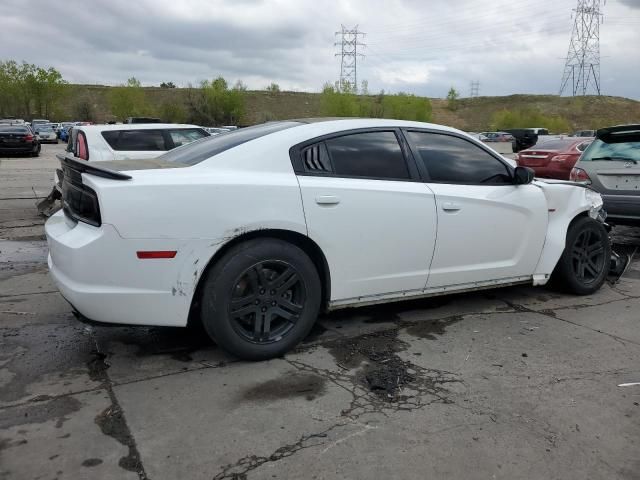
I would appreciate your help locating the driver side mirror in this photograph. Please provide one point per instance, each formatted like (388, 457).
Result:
(523, 175)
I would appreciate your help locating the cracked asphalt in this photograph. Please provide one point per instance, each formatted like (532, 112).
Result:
(511, 383)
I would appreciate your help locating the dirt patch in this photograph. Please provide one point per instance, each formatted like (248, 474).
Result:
(57, 409)
(430, 328)
(304, 385)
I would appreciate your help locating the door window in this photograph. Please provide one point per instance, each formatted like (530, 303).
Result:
(370, 155)
(450, 159)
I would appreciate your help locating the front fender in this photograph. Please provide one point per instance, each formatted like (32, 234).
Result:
(565, 203)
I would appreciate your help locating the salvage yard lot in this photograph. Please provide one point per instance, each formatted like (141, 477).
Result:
(512, 383)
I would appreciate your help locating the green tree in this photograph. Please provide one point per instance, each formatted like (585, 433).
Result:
(452, 99)
(214, 103)
(527, 118)
(129, 100)
(273, 87)
(167, 85)
(27, 89)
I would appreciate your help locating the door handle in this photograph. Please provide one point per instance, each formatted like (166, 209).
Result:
(327, 200)
(450, 207)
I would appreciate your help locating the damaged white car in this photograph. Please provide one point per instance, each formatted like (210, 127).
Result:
(254, 232)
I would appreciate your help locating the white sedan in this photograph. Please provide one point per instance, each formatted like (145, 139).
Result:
(254, 232)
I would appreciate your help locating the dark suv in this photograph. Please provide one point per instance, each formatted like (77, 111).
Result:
(525, 137)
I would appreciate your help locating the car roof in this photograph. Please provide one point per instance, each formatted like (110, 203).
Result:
(341, 123)
(605, 132)
(135, 126)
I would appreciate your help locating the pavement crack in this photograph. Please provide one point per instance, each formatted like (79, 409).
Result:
(112, 420)
(550, 314)
(240, 469)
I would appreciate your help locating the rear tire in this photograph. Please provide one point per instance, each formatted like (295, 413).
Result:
(584, 264)
(261, 299)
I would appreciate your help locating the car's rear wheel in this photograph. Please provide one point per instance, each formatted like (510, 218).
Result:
(261, 299)
(36, 152)
(585, 262)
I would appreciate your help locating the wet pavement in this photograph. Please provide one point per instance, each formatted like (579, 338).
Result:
(511, 383)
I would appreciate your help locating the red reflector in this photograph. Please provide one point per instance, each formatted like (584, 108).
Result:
(157, 254)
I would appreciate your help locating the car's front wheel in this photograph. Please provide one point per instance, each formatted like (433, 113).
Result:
(261, 299)
(585, 262)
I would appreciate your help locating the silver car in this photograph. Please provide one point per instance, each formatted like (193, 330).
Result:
(612, 165)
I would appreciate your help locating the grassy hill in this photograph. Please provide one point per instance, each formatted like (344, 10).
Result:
(472, 114)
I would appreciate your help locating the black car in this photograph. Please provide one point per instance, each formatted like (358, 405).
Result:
(525, 137)
(18, 139)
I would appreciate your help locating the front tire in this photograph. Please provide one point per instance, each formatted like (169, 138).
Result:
(261, 299)
(584, 264)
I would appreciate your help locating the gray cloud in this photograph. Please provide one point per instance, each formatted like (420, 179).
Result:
(416, 46)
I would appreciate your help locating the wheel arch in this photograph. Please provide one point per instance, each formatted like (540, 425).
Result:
(307, 245)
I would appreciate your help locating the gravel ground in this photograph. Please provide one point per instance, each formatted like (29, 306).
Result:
(511, 383)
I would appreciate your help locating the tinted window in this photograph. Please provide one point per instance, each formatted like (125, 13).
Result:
(186, 135)
(13, 129)
(455, 160)
(135, 140)
(372, 155)
(207, 147)
(111, 137)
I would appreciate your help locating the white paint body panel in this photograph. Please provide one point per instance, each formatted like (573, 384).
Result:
(383, 241)
(378, 239)
(487, 232)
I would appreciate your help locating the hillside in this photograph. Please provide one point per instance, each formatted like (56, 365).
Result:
(471, 114)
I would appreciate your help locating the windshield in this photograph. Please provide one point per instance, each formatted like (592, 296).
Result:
(617, 149)
(207, 147)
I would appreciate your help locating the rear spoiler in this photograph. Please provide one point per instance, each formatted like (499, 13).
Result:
(83, 166)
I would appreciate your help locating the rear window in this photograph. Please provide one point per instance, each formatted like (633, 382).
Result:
(135, 140)
(619, 148)
(207, 147)
(553, 144)
(10, 129)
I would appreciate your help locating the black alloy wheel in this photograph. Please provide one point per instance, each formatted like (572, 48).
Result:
(261, 298)
(584, 264)
(587, 256)
(266, 301)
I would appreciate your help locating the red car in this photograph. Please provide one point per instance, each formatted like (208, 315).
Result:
(553, 158)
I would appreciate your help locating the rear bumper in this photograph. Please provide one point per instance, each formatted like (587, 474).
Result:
(99, 273)
(622, 207)
(17, 149)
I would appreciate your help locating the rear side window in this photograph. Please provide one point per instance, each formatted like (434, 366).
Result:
(369, 155)
(450, 159)
(186, 135)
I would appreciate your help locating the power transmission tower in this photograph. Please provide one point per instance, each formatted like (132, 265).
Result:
(349, 43)
(475, 88)
(582, 67)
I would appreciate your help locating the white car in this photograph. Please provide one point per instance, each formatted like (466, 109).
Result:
(255, 231)
(122, 142)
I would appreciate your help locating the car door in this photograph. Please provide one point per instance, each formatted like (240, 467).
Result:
(488, 228)
(368, 211)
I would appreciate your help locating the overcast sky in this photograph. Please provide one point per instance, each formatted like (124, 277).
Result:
(419, 46)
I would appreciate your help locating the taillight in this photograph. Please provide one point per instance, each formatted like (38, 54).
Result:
(28, 138)
(579, 175)
(82, 149)
(560, 158)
